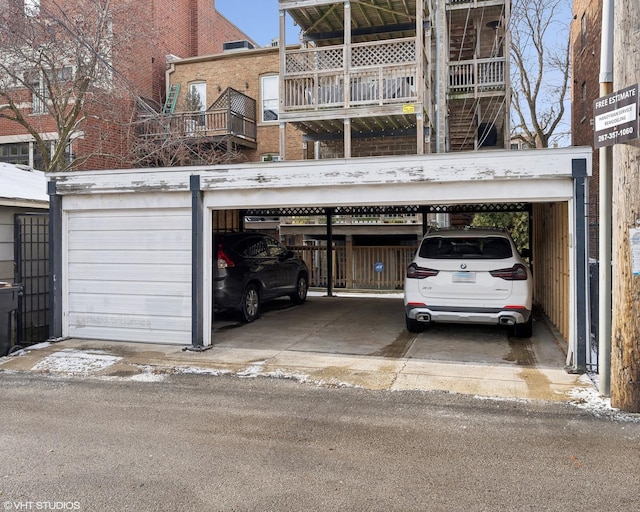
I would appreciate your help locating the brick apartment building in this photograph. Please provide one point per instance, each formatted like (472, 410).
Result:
(249, 76)
(179, 28)
(585, 63)
(385, 78)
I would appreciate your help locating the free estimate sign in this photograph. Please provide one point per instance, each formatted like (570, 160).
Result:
(616, 117)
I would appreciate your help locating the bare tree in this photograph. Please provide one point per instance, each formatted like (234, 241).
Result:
(57, 71)
(540, 56)
(175, 150)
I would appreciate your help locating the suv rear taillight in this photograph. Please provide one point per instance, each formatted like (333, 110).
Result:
(516, 273)
(224, 261)
(416, 272)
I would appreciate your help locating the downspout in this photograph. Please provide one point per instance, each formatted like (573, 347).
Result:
(605, 183)
(167, 77)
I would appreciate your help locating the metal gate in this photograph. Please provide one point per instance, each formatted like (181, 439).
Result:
(32, 273)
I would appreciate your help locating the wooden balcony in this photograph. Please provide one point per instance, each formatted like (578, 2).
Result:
(477, 78)
(380, 74)
(232, 118)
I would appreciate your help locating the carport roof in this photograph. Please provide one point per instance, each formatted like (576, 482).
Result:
(543, 175)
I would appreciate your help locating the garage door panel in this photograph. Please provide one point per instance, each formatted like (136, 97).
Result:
(132, 288)
(114, 321)
(124, 304)
(129, 223)
(125, 240)
(130, 275)
(139, 257)
(130, 272)
(177, 337)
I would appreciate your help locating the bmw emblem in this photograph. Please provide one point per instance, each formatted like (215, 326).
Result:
(463, 266)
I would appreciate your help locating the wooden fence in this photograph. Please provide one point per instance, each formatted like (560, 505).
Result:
(365, 268)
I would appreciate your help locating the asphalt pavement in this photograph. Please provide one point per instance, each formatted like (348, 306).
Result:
(222, 443)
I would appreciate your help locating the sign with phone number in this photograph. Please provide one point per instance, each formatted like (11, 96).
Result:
(616, 117)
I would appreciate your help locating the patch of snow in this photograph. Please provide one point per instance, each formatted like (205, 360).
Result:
(76, 362)
(26, 350)
(281, 374)
(252, 371)
(38, 346)
(192, 370)
(257, 371)
(148, 377)
(589, 398)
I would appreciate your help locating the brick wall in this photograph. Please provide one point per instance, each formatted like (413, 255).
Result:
(586, 72)
(145, 32)
(375, 146)
(240, 70)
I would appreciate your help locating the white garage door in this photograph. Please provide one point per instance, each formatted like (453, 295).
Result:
(130, 275)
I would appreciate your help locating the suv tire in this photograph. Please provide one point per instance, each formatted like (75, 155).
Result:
(302, 286)
(414, 325)
(524, 330)
(250, 306)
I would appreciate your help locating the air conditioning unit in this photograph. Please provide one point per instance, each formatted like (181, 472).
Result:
(237, 45)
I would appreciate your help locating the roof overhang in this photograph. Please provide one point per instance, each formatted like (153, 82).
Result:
(543, 175)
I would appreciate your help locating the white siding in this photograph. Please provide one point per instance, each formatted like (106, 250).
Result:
(129, 275)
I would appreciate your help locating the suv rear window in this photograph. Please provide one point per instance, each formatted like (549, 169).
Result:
(254, 247)
(493, 247)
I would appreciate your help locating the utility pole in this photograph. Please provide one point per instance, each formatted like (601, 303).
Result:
(625, 330)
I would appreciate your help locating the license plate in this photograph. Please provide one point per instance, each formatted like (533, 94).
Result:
(464, 277)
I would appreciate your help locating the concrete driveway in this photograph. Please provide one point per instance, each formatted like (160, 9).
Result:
(346, 340)
(362, 340)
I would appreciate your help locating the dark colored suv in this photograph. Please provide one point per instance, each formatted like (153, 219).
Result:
(252, 268)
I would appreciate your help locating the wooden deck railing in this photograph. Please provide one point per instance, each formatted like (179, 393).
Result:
(233, 113)
(365, 268)
(379, 73)
(477, 76)
(211, 123)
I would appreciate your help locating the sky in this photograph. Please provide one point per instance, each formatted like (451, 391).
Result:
(259, 19)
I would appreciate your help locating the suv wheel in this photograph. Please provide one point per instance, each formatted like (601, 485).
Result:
(302, 286)
(250, 307)
(524, 330)
(414, 325)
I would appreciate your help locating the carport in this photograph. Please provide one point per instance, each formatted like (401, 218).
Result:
(132, 257)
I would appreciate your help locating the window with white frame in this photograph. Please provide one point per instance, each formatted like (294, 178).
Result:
(196, 101)
(269, 98)
(197, 97)
(269, 157)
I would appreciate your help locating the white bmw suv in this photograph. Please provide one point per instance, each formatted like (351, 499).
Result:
(471, 276)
